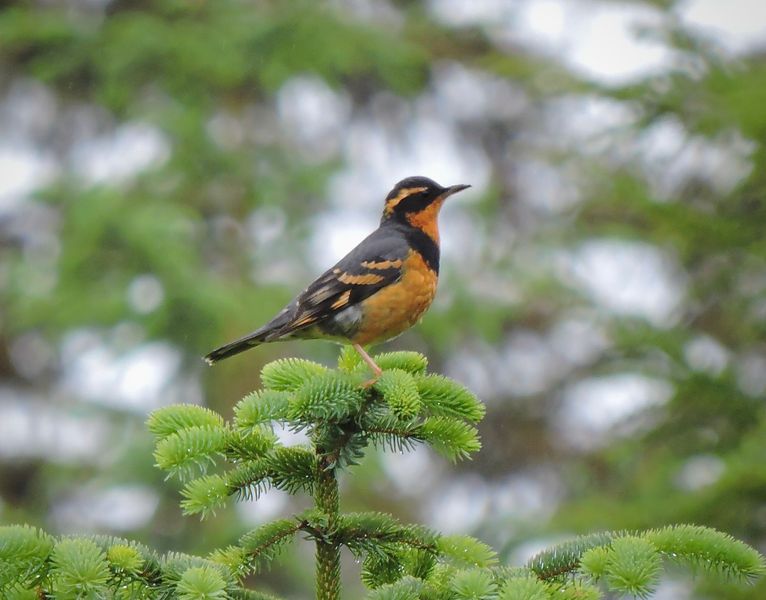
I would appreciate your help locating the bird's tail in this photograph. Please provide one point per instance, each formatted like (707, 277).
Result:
(235, 347)
(271, 332)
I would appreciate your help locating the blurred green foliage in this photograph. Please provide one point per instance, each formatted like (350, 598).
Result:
(70, 255)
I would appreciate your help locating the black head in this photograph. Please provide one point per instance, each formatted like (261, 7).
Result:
(415, 194)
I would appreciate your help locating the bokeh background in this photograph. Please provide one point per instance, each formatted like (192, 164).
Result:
(173, 171)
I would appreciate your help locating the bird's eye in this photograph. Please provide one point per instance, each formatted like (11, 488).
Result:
(392, 202)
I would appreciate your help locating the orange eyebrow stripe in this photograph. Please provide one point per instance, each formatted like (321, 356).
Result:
(342, 299)
(391, 204)
(383, 264)
(365, 279)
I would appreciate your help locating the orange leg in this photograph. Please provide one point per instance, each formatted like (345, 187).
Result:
(371, 363)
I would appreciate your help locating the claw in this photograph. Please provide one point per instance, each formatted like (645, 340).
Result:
(370, 382)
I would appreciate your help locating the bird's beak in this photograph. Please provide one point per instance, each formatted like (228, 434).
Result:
(454, 189)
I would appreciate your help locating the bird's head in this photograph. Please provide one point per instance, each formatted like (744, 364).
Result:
(417, 200)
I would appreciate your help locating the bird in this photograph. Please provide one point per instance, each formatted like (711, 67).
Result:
(378, 290)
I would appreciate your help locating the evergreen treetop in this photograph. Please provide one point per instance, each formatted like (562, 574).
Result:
(218, 461)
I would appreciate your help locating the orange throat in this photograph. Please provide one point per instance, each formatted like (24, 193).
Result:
(427, 220)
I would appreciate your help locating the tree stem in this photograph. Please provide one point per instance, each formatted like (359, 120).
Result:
(327, 552)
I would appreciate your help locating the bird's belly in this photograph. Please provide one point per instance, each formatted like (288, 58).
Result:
(397, 307)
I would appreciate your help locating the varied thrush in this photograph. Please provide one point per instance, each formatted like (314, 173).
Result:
(378, 290)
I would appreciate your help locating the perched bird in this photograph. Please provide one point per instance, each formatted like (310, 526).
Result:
(378, 290)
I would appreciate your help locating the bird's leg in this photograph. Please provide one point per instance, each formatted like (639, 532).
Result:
(371, 363)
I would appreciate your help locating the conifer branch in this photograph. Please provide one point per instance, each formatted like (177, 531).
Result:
(171, 419)
(190, 450)
(702, 548)
(261, 408)
(263, 544)
(375, 533)
(289, 374)
(565, 558)
(405, 407)
(413, 363)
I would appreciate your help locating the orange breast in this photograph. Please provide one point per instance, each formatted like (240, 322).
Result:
(397, 307)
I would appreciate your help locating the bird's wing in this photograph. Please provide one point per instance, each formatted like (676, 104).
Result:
(374, 264)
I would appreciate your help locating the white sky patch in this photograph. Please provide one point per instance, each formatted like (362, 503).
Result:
(27, 113)
(314, 115)
(751, 374)
(602, 41)
(628, 278)
(475, 12)
(30, 427)
(459, 505)
(671, 157)
(145, 293)
(588, 122)
(135, 380)
(118, 508)
(377, 12)
(592, 408)
(672, 589)
(737, 25)
(700, 471)
(268, 507)
(32, 354)
(288, 437)
(28, 110)
(121, 155)
(705, 354)
(527, 364)
(528, 549)
(462, 243)
(335, 234)
(475, 365)
(527, 495)
(226, 130)
(439, 153)
(22, 171)
(546, 21)
(412, 473)
(578, 341)
(266, 225)
(608, 41)
(544, 187)
(469, 94)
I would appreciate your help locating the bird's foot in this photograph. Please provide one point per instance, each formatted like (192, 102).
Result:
(377, 371)
(370, 382)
